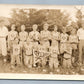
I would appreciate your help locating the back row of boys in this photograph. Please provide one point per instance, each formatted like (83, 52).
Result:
(25, 44)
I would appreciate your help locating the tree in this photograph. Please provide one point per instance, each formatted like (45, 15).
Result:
(28, 17)
(79, 17)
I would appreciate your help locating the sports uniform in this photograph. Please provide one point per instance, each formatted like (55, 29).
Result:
(45, 36)
(16, 54)
(23, 37)
(67, 57)
(11, 36)
(63, 42)
(28, 55)
(53, 60)
(34, 36)
(55, 37)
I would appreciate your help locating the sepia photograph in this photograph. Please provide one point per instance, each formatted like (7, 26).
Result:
(42, 42)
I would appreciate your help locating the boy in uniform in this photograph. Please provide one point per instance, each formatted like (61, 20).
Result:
(63, 43)
(16, 53)
(53, 59)
(28, 55)
(73, 39)
(34, 35)
(23, 37)
(11, 36)
(67, 56)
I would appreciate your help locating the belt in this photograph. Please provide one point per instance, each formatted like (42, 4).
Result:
(28, 55)
(23, 41)
(66, 58)
(73, 43)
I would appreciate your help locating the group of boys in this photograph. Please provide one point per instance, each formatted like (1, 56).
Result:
(41, 49)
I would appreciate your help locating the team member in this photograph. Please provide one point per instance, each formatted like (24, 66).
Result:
(63, 42)
(15, 57)
(34, 35)
(73, 39)
(11, 36)
(80, 34)
(53, 60)
(45, 35)
(67, 56)
(28, 55)
(23, 35)
(3, 35)
(55, 36)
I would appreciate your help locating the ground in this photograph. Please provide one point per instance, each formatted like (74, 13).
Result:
(5, 68)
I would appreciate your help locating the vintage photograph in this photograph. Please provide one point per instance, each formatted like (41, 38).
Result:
(42, 39)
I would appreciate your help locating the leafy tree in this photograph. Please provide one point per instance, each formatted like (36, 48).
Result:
(28, 17)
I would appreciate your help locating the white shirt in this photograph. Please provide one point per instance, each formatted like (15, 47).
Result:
(80, 34)
(64, 37)
(12, 35)
(34, 35)
(23, 36)
(3, 32)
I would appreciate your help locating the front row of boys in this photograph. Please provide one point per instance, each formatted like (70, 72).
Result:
(25, 47)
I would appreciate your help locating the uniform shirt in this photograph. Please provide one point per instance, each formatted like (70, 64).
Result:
(23, 36)
(55, 36)
(28, 49)
(64, 37)
(16, 49)
(3, 32)
(12, 35)
(54, 51)
(34, 35)
(45, 35)
(80, 34)
(73, 39)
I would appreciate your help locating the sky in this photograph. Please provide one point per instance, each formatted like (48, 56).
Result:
(5, 9)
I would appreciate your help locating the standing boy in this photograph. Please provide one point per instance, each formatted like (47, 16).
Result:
(23, 37)
(67, 56)
(73, 39)
(15, 56)
(63, 43)
(11, 36)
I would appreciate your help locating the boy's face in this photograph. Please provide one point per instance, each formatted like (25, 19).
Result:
(23, 28)
(35, 27)
(64, 30)
(55, 28)
(45, 26)
(13, 27)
